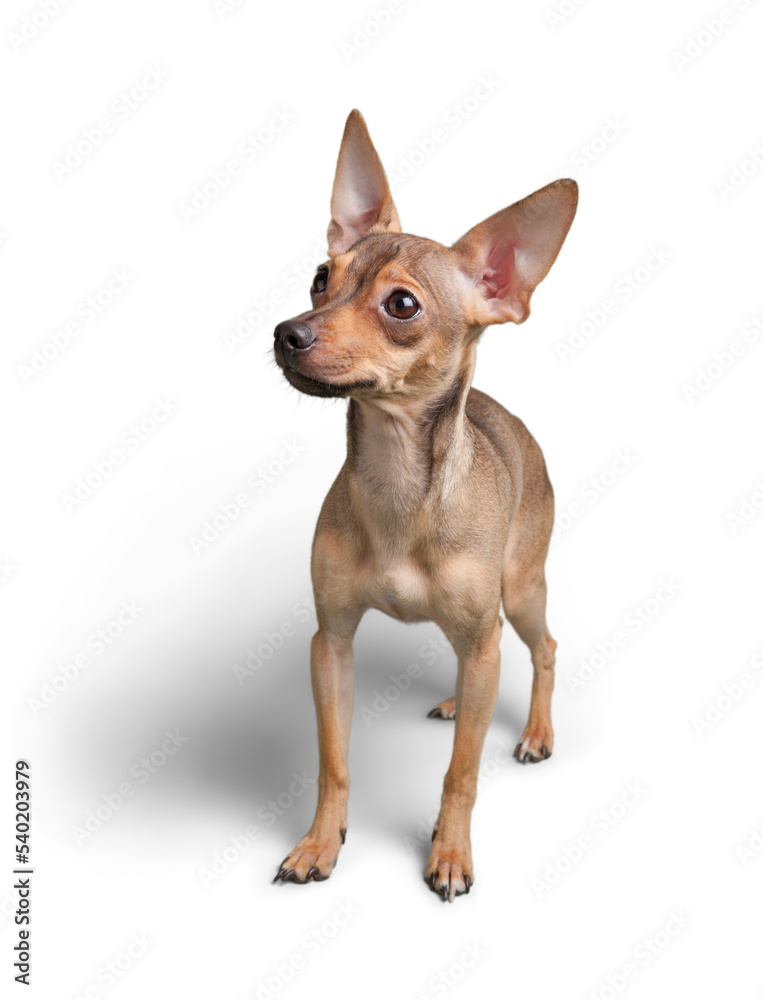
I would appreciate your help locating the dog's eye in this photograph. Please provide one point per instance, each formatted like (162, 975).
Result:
(320, 280)
(401, 305)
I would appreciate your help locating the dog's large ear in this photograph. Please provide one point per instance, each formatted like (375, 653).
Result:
(507, 255)
(361, 199)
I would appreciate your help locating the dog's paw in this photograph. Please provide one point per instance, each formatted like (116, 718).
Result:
(312, 860)
(445, 710)
(536, 745)
(449, 871)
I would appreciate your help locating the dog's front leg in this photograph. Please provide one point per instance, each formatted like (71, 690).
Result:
(332, 673)
(449, 871)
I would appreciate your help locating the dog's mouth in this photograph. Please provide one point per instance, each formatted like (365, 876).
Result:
(315, 387)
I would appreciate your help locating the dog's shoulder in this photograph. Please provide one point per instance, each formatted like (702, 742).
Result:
(502, 429)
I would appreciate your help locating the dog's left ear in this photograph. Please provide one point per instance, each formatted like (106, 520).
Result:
(507, 255)
(361, 198)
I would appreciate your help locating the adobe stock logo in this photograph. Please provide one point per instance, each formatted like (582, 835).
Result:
(120, 109)
(748, 508)
(274, 639)
(647, 950)
(740, 173)
(310, 945)
(457, 115)
(110, 973)
(225, 7)
(131, 440)
(87, 311)
(7, 569)
(248, 150)
(110, 803)
(69, 671)
(723, 360)
(708, 33)
(31, 26)
(585, 155)
(558, 15)
(593, 490)
(634, 622)
(730, 695)
(440, 983)
(624, 289)
(228, 512)
(262, 310)
(365, 33)
(601, 824)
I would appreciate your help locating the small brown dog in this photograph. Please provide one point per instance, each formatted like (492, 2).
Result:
(443, 508)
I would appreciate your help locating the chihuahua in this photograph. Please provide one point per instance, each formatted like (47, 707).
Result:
(443, 508)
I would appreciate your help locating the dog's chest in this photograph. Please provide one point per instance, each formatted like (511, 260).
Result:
(399, 586)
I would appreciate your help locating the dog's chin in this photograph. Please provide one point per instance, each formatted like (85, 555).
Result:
(332, 390)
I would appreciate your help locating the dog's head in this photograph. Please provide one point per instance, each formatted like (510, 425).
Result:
(392, 314)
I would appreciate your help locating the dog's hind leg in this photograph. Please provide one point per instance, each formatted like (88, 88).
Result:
(524, 601)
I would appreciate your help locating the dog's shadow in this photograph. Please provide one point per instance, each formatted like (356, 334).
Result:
(250, 739)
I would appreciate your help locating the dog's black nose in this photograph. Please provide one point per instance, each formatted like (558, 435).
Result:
(293, 337)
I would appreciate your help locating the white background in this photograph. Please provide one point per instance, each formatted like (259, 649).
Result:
(651, 183)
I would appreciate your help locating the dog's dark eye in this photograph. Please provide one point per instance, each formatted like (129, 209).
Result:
(320, 280)
(401, 305)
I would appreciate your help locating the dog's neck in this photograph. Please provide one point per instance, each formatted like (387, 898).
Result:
(404, 455)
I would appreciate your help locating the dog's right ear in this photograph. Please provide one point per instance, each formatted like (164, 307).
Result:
(361, 198)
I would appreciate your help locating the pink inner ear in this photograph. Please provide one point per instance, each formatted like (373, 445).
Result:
(363, 220)
(498, 271)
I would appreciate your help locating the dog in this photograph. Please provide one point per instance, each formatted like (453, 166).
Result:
(443, 508)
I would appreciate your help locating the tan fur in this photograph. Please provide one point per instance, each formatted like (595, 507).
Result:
(443, 509)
